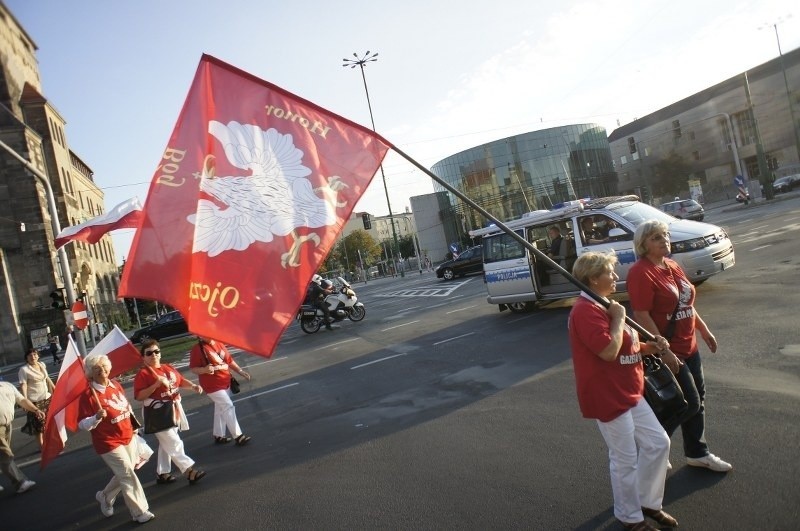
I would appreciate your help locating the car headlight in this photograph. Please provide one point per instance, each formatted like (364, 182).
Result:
(688, 245)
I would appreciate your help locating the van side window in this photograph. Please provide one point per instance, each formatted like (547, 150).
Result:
(501, 247)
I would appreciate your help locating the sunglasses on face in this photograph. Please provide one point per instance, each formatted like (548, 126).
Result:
(151, 352)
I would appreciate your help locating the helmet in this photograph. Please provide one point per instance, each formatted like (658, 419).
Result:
(327, 284)
(316, 279)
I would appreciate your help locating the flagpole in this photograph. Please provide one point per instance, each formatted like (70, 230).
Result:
(539, 254)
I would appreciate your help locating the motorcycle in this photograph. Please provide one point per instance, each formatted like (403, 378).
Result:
(342, 304)
(743, 198)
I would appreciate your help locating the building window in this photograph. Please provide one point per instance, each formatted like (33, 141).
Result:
(696, 155)
(676, 129)
(745, 125)
(631, 145)
(623, 160)
(691, 135)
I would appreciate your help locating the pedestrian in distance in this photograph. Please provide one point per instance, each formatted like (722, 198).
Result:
(662, 300)
(609, 376)
(161, 381)
(211, 361)
(35, 385)
(105, 413)
(9, 395)
(55, 347)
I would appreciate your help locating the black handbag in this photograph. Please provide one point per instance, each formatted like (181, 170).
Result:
(235, 388)
(160, 415)
(662, 392)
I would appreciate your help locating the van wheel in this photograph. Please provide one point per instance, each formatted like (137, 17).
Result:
(448, 274)
(521, 307)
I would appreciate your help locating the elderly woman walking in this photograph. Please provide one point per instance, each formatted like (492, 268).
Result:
(607, 357)
(105, 413)
(662, 299)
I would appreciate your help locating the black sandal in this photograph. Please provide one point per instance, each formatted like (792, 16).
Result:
(195, 475)
(242, 439)
(163, 479)
(222, 440)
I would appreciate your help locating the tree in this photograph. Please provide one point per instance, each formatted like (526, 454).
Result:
(671, 174)
(346, 252)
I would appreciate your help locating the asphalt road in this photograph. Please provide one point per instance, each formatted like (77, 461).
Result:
(439, 412)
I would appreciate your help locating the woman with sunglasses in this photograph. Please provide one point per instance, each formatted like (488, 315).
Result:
(161, 381)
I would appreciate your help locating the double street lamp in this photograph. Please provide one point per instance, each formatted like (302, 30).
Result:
(360, 62)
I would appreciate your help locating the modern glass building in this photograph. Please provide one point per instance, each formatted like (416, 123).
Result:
(526, 172)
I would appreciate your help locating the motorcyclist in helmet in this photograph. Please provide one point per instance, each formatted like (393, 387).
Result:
(318, 289)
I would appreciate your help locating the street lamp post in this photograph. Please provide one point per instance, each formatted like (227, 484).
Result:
(360, 62)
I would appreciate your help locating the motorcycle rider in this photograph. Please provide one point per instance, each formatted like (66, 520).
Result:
(318, 289)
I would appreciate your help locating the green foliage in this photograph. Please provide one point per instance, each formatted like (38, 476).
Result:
(671, 174)
(344, 255)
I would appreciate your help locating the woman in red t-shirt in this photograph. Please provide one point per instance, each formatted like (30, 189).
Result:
(607, 357)
(211, 361)
(105, 413)
(161, 381)
(662, 299)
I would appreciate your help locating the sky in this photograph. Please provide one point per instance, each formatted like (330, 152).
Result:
(449, 75)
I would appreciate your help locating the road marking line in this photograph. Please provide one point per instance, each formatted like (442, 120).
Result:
(376, 361)
(267, 391)
(462, 309)
(452, 338)
(398, 326)
(519, 319)
(266, 361)
(336, 344)
(762, 247)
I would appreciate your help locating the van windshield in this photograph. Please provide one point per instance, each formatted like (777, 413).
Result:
(500, 247)
(637, 213)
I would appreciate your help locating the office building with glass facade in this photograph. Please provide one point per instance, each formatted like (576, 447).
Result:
(523, 173)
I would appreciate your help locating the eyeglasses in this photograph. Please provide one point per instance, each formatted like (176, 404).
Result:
(151, 352)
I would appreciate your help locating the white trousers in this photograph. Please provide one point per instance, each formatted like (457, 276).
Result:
(638, 451)
(224, 414)
(170, 448)
(121, 461)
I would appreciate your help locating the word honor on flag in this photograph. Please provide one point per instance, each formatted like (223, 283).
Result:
(80, 315)
(126, 215)
(250, 193)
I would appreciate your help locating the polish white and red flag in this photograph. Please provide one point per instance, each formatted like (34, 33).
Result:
(125, 215)
(248, 198)
(72, 383)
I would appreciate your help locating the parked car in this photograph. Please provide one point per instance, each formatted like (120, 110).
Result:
(684, 209)
(470, 261)
(168, 325)
(786, 184)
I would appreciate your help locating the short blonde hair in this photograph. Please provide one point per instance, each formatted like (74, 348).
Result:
(643, 232)
(93, 361)
(592, 264)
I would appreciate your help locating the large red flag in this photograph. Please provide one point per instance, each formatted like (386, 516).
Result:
(126, 215)
(247, 201)
(120, 351)
(63, 412)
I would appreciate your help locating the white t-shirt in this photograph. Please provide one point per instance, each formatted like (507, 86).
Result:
(35, 380)
(8, 397)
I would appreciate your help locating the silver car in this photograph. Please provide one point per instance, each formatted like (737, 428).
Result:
(684, 209)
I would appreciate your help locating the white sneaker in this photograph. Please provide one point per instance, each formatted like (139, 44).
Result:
(144, 517)
(26, 486)
(711, 461)
(106, 508)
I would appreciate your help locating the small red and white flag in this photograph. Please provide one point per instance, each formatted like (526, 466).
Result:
(126, 215)
(63, 411)
(72, 383)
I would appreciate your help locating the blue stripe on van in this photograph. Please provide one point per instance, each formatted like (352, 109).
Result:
(626, 257)
(506, 275)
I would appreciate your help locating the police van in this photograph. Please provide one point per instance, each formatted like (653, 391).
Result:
(517, 281)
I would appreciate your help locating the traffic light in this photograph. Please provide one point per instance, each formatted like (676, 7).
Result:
(366, 220)
(58, 300)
